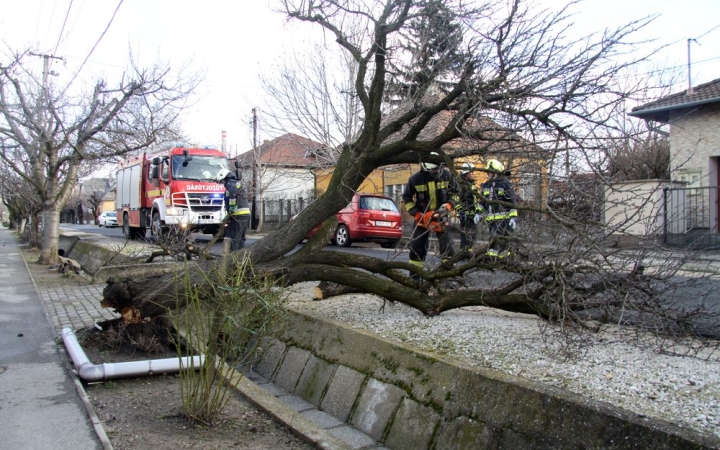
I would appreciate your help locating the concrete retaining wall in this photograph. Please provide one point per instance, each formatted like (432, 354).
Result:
(409, 399)
(102, 263)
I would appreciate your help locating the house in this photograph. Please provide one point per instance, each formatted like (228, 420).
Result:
(283, 167)
(96, 195)
(694, 119)
(486, 139)
(279, 171)
(693, 116)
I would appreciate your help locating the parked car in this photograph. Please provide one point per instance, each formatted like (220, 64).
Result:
(108, 219)
(367, 218)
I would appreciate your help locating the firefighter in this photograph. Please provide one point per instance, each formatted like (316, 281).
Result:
(501, 218)
(428, 192)
(469, 209)
(237, 207)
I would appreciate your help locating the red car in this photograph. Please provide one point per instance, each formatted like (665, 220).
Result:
(368, 218)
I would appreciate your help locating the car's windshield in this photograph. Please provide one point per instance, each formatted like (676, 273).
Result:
(200, 168)
(111, 214)
(377, 203)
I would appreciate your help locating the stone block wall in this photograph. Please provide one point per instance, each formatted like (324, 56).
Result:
(409, 399)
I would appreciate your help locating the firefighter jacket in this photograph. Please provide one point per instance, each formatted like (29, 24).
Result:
(236, 203)
(468, 200)
(498, 190)
(425, 193)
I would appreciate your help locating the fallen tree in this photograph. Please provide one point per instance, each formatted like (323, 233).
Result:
(509, 87)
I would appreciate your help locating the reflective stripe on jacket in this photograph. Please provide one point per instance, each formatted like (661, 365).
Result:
(236, 203)
(498, 190)
(426, 193)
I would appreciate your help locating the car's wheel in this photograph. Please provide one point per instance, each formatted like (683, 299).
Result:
(342, 236)
(100, 224)
(389, 244)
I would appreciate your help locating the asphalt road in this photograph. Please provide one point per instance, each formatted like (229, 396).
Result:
(369, 249)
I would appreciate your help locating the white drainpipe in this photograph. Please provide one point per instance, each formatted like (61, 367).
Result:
(92, 372)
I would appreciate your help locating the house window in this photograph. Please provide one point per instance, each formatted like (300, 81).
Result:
(693, 180)
(394, 191)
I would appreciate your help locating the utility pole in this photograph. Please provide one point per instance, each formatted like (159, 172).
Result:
(257, 192)
(46, 65)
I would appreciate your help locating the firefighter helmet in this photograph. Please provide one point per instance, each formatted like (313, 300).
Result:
(427, 165)
(495, 166)
(466, 168)
(222, 174)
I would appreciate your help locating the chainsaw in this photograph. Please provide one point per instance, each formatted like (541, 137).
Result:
(436, 221)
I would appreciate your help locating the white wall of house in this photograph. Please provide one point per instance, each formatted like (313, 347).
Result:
(694, 141)
(281, 182)
(695, 154)
(636, 208)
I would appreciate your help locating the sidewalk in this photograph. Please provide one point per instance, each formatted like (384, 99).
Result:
(41, 407)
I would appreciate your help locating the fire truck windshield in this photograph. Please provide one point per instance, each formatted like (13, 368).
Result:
(199, 167)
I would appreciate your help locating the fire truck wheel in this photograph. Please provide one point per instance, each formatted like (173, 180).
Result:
(126, 227)
(157, 228)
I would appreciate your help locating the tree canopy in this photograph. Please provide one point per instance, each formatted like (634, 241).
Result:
(510, 81)
(50, 137)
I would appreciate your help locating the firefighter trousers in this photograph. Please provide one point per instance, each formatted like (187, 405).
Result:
(421, 241)
(236, 229)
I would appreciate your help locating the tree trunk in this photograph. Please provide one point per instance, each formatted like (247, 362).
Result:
(50, 236)
(152, 297)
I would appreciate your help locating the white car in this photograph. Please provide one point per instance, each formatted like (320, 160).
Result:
(108, 219)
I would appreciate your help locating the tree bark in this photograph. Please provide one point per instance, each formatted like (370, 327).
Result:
(326, 289)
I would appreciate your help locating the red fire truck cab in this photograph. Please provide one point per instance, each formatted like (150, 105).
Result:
(175, 188)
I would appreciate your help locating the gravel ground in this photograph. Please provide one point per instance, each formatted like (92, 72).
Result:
(680, 389)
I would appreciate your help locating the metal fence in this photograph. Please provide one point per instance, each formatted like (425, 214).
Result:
(691, 217)
(279, 211)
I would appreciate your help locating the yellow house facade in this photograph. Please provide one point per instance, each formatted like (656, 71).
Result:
(527, 175)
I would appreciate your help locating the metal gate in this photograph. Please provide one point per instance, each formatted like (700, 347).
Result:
(691, 217)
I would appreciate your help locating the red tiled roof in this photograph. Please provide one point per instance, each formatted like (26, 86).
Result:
(660, 109)
(288, 150)
(484, 135)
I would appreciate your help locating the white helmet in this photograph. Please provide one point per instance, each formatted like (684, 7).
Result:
(466, 168)
(222, 174)
(428, 166)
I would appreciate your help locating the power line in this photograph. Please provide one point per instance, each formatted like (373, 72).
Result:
(62, 30)
(707, 32)
(37, 24)
(77, 72)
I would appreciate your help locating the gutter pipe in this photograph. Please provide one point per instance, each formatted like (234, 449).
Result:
(667, 108)
(100, 372)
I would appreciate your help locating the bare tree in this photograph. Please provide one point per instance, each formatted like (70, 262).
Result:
(95, 200)
(521, 87)
(18, 197)
(49, 137)
(640, 160)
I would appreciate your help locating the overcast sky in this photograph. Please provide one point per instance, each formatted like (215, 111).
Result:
(234, 41)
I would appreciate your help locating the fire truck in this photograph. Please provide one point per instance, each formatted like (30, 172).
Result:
(175, 188)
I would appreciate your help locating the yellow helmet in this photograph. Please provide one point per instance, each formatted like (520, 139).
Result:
(495, 166)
